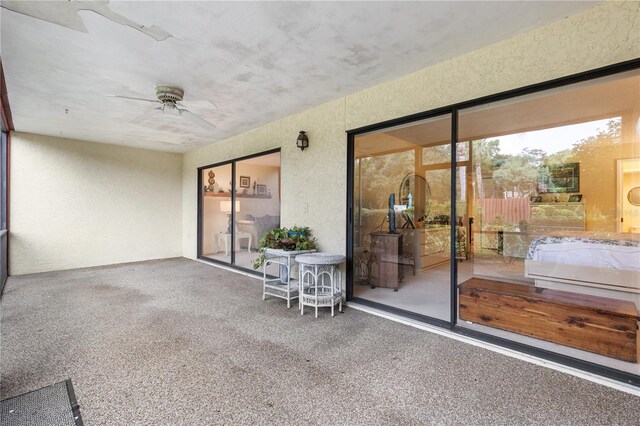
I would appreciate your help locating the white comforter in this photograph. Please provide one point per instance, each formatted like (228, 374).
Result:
(609, 254)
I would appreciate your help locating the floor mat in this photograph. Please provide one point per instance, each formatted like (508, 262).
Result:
(53, 405)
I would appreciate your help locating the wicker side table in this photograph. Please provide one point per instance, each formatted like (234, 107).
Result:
(320, 281)
(283, 287)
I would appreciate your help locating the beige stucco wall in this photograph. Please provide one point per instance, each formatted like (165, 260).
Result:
(76, 204)
(606, 34)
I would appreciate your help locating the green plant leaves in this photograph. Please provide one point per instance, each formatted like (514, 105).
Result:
(279, 238)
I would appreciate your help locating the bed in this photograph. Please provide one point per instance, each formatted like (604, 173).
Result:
(594, 266)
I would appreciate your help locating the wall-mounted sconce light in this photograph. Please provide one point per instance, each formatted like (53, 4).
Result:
(303, 141)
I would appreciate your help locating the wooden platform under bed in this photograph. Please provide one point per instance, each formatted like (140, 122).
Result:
(601, 325)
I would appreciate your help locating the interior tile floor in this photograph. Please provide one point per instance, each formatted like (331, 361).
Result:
(181, 342)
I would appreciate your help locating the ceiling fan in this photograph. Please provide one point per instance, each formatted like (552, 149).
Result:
(170, 102)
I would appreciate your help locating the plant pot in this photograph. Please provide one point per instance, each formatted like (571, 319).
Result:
(293, 234)
(288, 244)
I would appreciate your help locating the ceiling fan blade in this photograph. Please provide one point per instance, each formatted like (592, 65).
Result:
(146, 115)
(59, 13)
(134, 99)
(66, 14)
(196, 119)
(102, 8)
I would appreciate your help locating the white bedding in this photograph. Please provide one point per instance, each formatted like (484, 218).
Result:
(607, 254)
(600, 256)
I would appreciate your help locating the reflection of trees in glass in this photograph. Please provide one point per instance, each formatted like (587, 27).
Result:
(597, 155)
(517, 175)
(603, 138)
(498, 176)
(382, 175)
(487, 158)
(438, 154)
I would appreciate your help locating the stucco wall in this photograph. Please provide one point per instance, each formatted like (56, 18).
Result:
(314, 181)
(76, 204)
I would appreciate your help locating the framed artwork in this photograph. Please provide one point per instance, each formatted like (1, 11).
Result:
(575, 198)
(245, 182)
(559, 178)
(537, 199)
(262, 189)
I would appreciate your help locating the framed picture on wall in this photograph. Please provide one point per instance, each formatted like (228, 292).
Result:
(245, 182)
(262, 189)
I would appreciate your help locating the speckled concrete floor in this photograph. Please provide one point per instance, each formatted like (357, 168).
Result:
(177, 342)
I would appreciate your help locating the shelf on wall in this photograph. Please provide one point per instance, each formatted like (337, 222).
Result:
(228, 195)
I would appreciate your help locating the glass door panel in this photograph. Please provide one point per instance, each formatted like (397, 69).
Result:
(401, 252)
(216, 213)
(257, 206)
(554, 255)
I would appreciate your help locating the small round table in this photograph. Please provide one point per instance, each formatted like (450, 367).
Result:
(320, 281)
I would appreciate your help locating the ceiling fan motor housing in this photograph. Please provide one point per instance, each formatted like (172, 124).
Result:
(169, 94)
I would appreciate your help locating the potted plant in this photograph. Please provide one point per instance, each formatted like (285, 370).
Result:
(299, 231)
(296, 238)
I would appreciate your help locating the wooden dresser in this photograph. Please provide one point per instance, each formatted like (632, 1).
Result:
(386, 269)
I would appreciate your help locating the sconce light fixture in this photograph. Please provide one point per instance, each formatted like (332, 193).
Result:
(303, 141)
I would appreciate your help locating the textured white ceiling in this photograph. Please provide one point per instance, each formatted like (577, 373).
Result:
(256, 61)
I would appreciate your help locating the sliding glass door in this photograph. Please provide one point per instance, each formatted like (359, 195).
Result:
(540, 248)
(401, 217)
(257, 205)
(215, 214)
(239, 203)
(556, 233)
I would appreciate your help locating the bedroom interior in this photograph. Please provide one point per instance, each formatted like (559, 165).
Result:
(547, 227)
(257, 208)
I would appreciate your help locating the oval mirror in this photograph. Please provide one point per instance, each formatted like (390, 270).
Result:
(418, 188)
(634, 196)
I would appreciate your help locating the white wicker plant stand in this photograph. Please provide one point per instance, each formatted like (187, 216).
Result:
(282, 287)
(320, 281)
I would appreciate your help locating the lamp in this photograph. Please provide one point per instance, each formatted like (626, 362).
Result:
(303, 140)
(225, 207)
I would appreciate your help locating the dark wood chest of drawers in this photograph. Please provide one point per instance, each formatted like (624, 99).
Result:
(386, 256)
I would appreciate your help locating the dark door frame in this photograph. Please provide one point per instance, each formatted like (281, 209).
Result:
(6, 124)
(454, 109)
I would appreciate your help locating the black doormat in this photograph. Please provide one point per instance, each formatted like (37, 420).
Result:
(53, 405)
